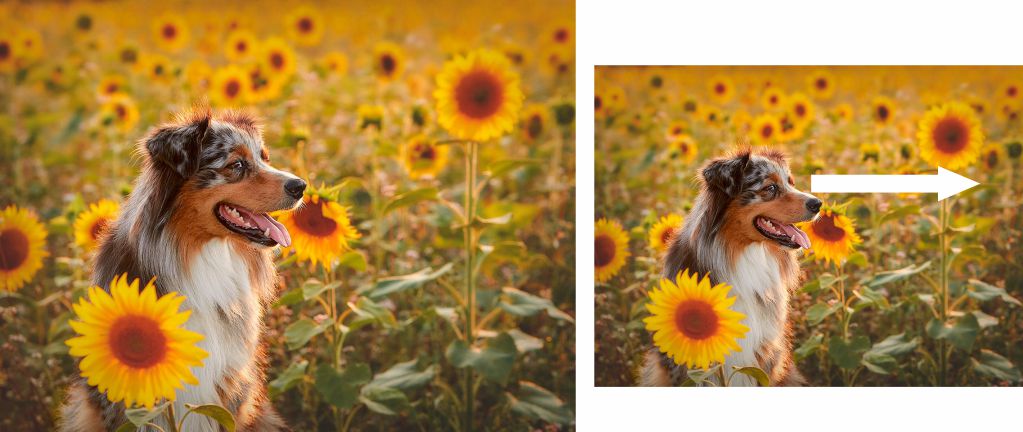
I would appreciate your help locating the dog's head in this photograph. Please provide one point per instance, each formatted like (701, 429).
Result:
(758, 199)
(224, 183)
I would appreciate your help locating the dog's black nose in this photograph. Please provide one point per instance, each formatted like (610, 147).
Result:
(814, 205)
(294, 187)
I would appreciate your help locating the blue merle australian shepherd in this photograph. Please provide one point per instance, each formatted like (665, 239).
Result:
(198, 221)
(741, 232)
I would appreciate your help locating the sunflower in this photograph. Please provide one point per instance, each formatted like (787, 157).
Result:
(711, 115)
(22, 242)
(563, 34)
(30, 44)
(766, 129)
(241, 46)
(664, 231)
(305, 25)
(278, 58)
(950, 136)
(684, 147)
(821, 85)
(791, 129)
(1011, 91)
(230, 86)
(991, 154)
(8, 52)
(388, 61)
(133, 344)
(119, 110)
(478, 96)
(535, 119)
(263, 86)
(198, 74)
(320, 229)
(882, 110)
(128, 54)
(156, 67)
(870, 151)
(109, 86)
(800, 109)
(422, 157)
(772, 99)
(692, 322)
(832, 234)
(676, 129)
(171, 32)
(843, 112)
(370, 116)
(721, 89)
(335, 62)
(611, 248)
(1008, 110)
(1013, 149)
(92, 223)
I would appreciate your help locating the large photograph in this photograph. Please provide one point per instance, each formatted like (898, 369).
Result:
(723, 257)
(320, 216)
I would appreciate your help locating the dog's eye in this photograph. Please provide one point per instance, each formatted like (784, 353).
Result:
(771, 188)
(238, 165)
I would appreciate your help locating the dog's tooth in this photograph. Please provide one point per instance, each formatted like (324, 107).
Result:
(267, 233)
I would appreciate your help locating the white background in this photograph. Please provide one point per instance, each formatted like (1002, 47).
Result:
(768, 32)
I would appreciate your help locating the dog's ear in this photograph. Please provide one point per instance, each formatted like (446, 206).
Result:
(726, 175)
(178, 146)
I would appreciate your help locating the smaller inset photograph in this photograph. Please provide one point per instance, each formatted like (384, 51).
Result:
(808, 226)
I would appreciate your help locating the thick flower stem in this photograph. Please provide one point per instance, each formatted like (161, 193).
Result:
(172, 425)
(469, 234)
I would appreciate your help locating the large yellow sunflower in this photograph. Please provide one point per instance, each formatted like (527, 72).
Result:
(22, 243)
(800, 109)
(478, 96)
(832, 235)
(278, 58)
(610, 249)
(422, 157)
(388, 61)
(692, 322)
(664, 231)
(92, 223)
(230, 86)
(171, 32)
(305, 25)
(241, 46)
(320, 229)
(950, 136)
(132, 344)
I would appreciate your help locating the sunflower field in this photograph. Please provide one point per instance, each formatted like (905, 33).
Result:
(430, 281)
(898, 289)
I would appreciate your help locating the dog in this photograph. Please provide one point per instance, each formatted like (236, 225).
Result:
(740, 232)
(198, 221)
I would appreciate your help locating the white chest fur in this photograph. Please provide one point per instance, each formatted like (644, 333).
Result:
(225, 310)
(761, 295)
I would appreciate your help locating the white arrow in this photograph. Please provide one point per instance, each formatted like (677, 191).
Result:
(946, 183)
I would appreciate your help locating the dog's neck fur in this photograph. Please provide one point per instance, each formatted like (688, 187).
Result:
(760, 274)
(227, 284)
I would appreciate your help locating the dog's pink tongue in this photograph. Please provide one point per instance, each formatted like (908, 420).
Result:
(277, 231)
(797, 235)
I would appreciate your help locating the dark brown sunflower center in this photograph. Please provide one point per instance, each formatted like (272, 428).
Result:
(883, 112)
(824, 227)
(97, 228)
(767, 131)
(950, 135)
(387, 64)
(719, 88)
(111, 88)
(479, 94)
(232, 88)
(305, 25)
(120, 110)
(597, 102)
(426, 151)
(129, 55)
(696, 319)
(169, 31)
(773, 100)
(241, 46)
(604, 250)
(561, 35)
(5, 50)
(668, 232)
(13, 249)
(534, 126)
(137, 341)
(277, 60)
(310, 220)
(1012, 91)
(821, 83)
(800, 110)
(992, 159)
(158, 70)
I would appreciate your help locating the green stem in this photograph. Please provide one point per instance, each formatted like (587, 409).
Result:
(172, 425)
(351, 416)
(943, 354)
(469, 234)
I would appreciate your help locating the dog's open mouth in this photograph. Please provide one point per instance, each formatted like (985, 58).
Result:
(260, 228)
(785, 234)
